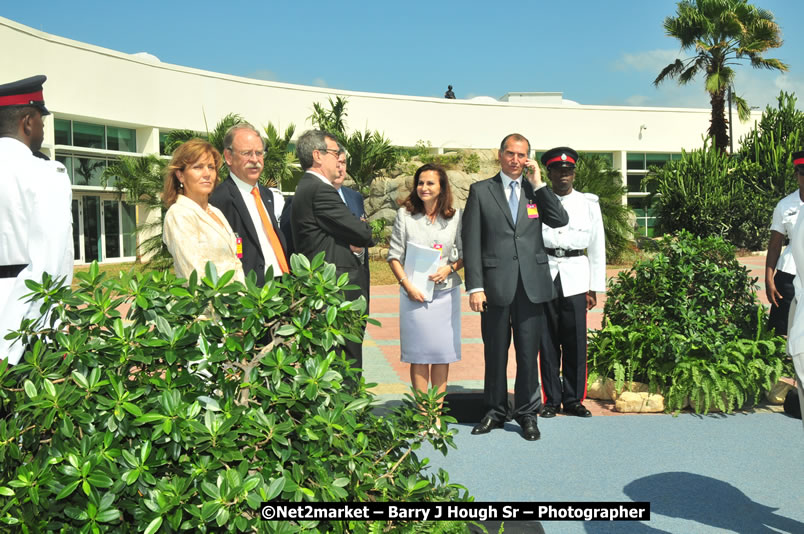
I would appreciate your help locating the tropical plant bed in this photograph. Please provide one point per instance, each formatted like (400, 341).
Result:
(688, 323)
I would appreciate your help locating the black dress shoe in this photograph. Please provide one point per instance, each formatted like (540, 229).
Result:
(548, 410)
(486, 425)
(578, 410)
(530, 430)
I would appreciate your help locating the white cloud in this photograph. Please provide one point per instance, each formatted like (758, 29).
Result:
(650, 60)
(759, 87)
(636, 100)
(320, 82)
(263, 74)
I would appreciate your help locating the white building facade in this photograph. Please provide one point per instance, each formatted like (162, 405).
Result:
(106, 104)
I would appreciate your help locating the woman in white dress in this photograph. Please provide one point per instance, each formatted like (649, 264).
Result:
(430, 332)
(194, 231)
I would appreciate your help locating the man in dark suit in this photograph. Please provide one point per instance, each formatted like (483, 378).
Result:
(321, 221)
(508, 279)
(354, 201)
(249, 206)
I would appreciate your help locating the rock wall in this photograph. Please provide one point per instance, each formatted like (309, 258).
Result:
(388, 192)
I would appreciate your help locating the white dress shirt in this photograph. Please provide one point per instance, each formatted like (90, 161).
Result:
(265, 245)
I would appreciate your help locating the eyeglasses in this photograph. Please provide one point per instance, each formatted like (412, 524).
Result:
(248, 154)
(334, 151)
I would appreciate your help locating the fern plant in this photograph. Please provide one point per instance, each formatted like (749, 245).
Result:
(688, 323)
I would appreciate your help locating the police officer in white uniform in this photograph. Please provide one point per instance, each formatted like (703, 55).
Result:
(577, 257)
(35, 209)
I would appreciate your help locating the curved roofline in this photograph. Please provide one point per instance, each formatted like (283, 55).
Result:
(328, 91)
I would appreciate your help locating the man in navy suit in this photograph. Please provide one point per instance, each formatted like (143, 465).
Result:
(508, 279)
(248, 205)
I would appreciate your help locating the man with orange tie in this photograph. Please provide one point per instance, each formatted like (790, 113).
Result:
(249, 206)
(321, 221)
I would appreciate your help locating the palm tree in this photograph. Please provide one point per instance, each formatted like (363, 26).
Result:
(721, 32)
(367, 152)
(139, 181)
(280, 163)
(595, 175)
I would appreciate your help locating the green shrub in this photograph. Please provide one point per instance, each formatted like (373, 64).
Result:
(471, 163)
(708, 193)
(379, 231)
(770, 144)
(688, 323)
(179, 414)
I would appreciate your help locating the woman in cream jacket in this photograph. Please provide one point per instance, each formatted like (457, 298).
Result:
(196, 232)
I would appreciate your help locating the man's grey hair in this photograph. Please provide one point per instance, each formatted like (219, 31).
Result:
(230, 133)
(312, 140)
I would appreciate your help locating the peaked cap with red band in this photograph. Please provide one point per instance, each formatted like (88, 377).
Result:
(27, 92)
(561, 156)
(798, 158)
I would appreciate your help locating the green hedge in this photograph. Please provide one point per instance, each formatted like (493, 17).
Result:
(204, 400)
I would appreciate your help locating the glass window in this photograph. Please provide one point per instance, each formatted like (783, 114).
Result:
(111, 227)
(76, 229)
(64, 134)
(89, 135)
(128, 214)
(635, 183)
(122, 139)
(67, 161)
(162, 141)
(92, 229)
(88, 171)
(608, 157)
(657, 159)
(636, 160)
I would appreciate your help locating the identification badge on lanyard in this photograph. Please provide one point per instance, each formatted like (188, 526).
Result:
(440, 248)
(533, 211)
(239, 246)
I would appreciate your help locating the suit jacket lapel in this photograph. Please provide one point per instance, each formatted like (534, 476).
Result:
(237, 200)
(525, 195)
(499, 196)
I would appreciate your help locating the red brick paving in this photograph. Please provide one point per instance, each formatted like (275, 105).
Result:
(471, 366)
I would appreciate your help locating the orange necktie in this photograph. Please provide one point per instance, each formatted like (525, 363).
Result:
(270, 232)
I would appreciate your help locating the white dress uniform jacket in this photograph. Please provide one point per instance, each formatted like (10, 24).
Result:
(36, 230)
(785, 215)
(193, 238)
(795, 337)
(579, 274)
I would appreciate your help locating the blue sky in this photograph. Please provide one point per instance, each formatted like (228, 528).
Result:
(595, 52)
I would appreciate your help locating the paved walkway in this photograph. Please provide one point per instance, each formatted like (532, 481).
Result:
(381, 346)
(716, 473)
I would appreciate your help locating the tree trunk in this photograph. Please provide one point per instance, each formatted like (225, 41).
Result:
(718, 124)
